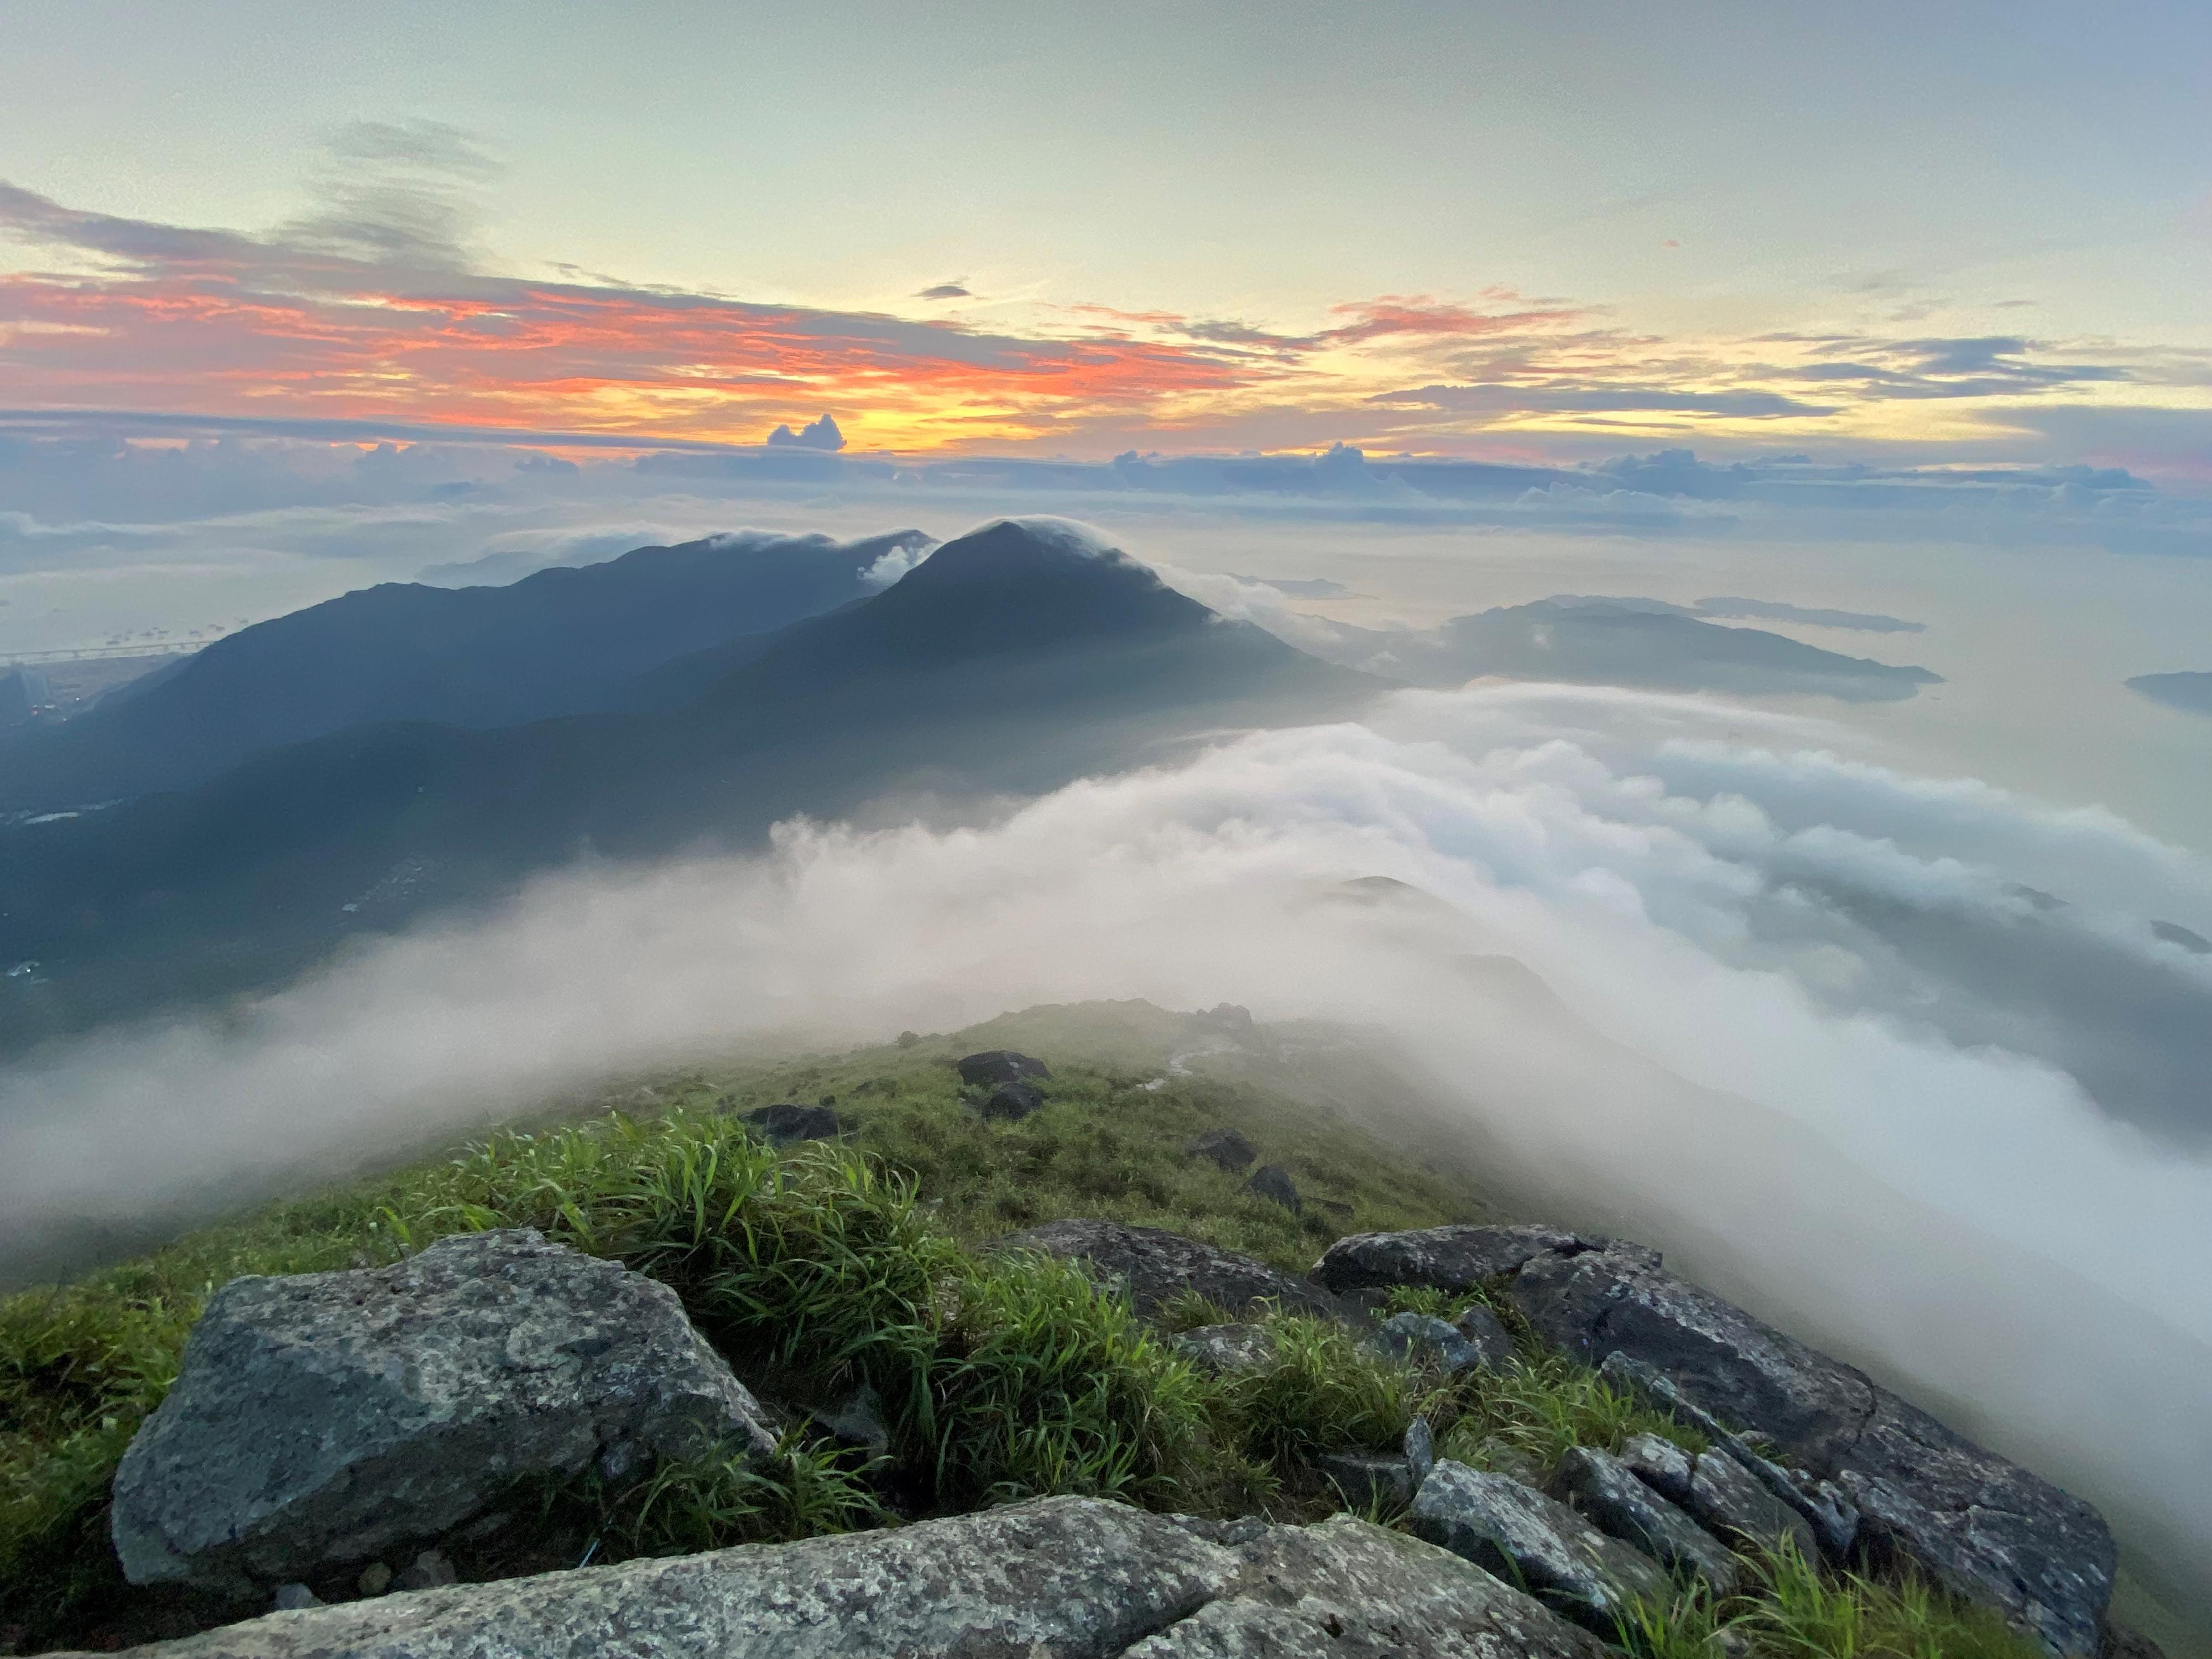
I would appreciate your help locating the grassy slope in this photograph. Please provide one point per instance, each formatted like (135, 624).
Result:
(824, 1268)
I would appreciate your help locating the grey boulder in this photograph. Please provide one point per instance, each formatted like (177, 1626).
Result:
(337, 1416)
(1423, 1338)
(1457, 1258)
(788, 1121)
(1011, 1102)
(1053, 1578)
(996, 1065)
(1154, 1266)
(1982, 1526)
(1368, 1479)
(1510, 1529)
(1493, 1345)
(1604, 1489)
(1272, 1182)
(1226, 1149)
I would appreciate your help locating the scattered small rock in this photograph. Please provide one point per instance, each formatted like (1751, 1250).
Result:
(1272, 1182)
(788, 1121)
(1225, 1147)
(1368, 1479)
(1604, 1489)
(375, 1579)
(428, 1570)
(1493, 1345)
(294, 1598)
(996, 1065)
(1227, 1349)
(857, 1419)
(1513, 1530)
(1011, 1102)
(1423, 1337)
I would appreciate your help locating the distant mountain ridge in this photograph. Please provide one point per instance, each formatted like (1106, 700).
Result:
(1010, 661)
(562, 641)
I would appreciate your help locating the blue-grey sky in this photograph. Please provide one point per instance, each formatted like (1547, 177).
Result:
(1956, 230)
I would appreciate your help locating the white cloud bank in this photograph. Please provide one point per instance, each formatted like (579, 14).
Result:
(1776, 1040)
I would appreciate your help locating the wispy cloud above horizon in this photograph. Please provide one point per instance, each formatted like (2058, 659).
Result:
(375, 308)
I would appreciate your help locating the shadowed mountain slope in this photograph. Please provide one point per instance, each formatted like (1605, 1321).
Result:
(559, 642)
(1014, 659)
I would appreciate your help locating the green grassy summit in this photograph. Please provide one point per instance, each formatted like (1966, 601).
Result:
(826, 1266)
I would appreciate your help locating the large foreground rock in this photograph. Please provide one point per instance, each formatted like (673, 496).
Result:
(1506, 1528)
(1054, 1578)
(1155, 1266)
(340, 1417)
(1982, 1527)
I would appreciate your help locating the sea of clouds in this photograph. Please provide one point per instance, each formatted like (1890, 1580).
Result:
(1905, 1063)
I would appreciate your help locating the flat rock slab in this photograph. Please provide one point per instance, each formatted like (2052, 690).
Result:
(1054, 1578)
(1982, 1527)
(1722, 1494)
(1607, 1492)
(1511, 1530)
(1458, 1258)
(340, 1417)
(995, 1065)
(1156, 1266)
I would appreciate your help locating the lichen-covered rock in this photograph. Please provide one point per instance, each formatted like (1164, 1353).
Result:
(337, 1417)
(1506, 1528)
(1155, 1266)
(1053, 1578)
(1457, 1258)
(1345, 1589)
(1423, 1338)
(1604, 1489)
(996, 1065)
(1227, 1349)
(1982, 1527)
(788, 1121)
(1224, 1148)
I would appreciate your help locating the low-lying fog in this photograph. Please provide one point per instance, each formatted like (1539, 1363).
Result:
(1910, 1063)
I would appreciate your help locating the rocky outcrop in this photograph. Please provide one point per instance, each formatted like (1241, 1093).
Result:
(1225, 1149)
(337, 1417)
(1720, 1493)
(1511, 1530)
(1487, 1335)
(1983, 1527)
(996, 1065)
(1053, 1578)
(1463, 1258)
(1867, 1462)
(1608, 1493)
(788, 1121)
(1155, 1266)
